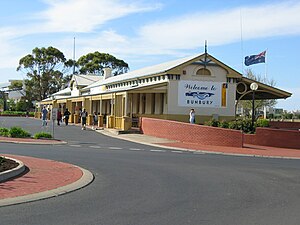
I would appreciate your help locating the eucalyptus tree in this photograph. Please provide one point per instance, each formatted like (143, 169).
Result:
(44, 69)
(93, 63)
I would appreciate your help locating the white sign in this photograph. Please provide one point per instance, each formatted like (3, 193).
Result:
(54, 113)
(199, 94)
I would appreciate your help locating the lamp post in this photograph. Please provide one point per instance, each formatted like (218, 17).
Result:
(253, 87)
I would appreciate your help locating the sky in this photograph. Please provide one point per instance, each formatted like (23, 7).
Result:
(149, 32)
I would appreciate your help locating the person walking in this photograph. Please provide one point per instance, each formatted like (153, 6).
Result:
(192, 116)
(95, 121)
(44, 116)
(66, 116)
(83, 116)
(59, 116)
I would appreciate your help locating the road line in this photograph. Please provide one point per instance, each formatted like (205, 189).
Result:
(95, 146)
(77, 146)
(157, 150)
(116, 148)
(135, 149)
(198, 153)
(177, 151)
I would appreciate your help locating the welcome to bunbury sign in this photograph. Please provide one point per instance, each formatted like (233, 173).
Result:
(202, 94)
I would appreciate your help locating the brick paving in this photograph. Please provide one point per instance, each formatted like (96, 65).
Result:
(43, 175)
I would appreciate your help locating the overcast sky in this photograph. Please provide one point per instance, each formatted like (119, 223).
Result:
(144, 33)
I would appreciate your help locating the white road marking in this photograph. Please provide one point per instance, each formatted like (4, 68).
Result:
(198, 153)
(94, 146)
(77, 146)
(135, 149)
(177, 151)
(114, 148)
(157, 150)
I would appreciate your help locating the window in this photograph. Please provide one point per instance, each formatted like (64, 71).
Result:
(203, 72)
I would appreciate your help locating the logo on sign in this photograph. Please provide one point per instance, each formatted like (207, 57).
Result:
(199, 95)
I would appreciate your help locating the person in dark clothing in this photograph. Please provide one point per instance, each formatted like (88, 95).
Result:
(59, 116)
(66, 115)
(83, 115)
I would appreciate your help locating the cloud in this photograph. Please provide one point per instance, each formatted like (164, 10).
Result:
(223, 27)
(87, 15)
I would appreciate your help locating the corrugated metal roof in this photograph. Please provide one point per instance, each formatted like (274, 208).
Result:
(160, 68)
(63, 92)
(84, 80)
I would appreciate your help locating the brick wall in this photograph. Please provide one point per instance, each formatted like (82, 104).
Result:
(285, 125)
(192, 133)
(274, 138)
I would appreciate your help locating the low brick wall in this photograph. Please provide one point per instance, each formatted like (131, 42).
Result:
(274, 138)
(285, 125)
(192, 133)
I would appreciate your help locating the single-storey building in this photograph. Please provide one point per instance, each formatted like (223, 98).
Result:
(168, 91)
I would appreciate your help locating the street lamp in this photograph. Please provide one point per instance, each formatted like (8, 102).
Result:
(253, 87)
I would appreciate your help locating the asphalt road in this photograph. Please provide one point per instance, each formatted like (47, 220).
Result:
(143, 185)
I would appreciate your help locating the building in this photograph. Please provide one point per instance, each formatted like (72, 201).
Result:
(168, 91)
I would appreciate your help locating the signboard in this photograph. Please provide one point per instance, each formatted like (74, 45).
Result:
(54, 113)
(202, 94)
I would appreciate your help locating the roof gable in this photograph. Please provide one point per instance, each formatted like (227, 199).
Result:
(171, 67)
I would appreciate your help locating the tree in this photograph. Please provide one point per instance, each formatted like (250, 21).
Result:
(94, 63)
(258, 104)
(44, 69)
(16, 85)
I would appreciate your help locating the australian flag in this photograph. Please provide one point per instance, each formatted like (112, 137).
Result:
(253, 59)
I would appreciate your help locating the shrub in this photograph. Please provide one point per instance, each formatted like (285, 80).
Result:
(244, 125)
(262, 123)
(15, 113)
(4, 132)
(42, 135)
(18, 132)
(212, 123)
(224, 124)
(2, 160)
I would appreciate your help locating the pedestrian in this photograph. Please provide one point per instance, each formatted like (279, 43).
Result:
(66, 116)
(95, 121)
(83, 116)
(44, 116)
(79, 117)
(192, 116)
(59, 116)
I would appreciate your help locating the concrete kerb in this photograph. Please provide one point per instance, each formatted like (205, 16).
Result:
(86, 179)
(8, 174)
(57, 142)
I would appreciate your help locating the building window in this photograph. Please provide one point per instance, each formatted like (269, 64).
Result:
(203, 72)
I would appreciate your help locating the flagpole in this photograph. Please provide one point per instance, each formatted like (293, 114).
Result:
(74, 56)
(266, 67)
(242, 46)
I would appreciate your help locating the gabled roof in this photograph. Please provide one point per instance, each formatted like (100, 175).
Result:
(66, 91)
(85, 80)
(163, 68)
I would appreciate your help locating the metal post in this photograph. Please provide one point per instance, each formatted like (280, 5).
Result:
(253, 115)
(253, 87)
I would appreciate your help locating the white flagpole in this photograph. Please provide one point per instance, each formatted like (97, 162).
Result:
(242, 46)
(266, 67)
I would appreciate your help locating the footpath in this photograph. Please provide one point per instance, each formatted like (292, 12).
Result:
(48, 178)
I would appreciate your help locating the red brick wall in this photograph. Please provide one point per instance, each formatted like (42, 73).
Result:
(250, 139)
(285, 125)
(192, 133)
(274, 138)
